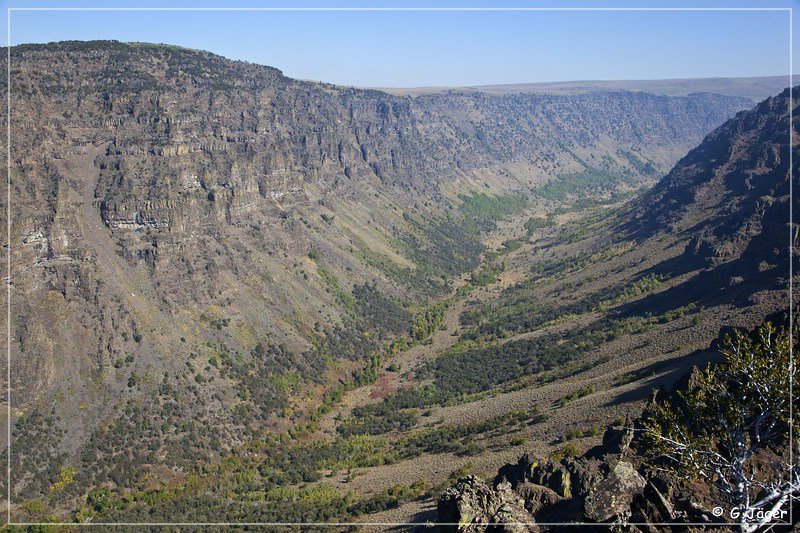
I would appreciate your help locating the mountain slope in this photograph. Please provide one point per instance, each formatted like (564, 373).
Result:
(729, 199)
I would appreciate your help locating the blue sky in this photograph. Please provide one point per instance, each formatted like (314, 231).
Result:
(445, 48)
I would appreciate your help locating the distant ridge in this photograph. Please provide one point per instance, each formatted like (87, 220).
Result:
(755, 88)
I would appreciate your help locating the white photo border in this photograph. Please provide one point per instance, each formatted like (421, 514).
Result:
(9, 11)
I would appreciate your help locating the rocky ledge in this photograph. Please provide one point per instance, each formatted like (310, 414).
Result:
(609, 484)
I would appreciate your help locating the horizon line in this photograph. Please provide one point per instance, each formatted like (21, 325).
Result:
(400, 8)
(554, 82)
(386, 87)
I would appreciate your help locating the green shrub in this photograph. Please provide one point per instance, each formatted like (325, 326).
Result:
(574, 395)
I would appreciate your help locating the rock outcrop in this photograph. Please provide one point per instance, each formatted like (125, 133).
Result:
(473, 506)
(607, 485)
(612, 497)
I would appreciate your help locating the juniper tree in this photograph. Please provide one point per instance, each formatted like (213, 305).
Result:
(736, 411)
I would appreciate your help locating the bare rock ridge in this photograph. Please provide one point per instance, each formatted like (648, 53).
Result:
(606, 485)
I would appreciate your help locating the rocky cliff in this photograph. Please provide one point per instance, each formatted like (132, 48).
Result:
(729, 199)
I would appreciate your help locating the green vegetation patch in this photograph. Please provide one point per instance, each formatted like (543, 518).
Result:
(568, 186)
(441, 248)
(518, 313)
(481, 210)
(460, 439)
(536, 223)
(486, 275)
(574, 395)
(427, 321)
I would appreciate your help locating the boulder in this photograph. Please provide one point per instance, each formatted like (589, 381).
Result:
(618, 440)
(511, 517)
(537, 497)
(468, 503)
(584, 474)
(571, 478)
(660, 502)
(473, 506)
(551, 475)
(611, 498)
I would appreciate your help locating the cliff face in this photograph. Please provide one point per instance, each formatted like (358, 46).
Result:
(169, 205)
(737, 168)
(729, 199)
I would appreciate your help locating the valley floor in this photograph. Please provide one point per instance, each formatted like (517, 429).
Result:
(610, 383)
